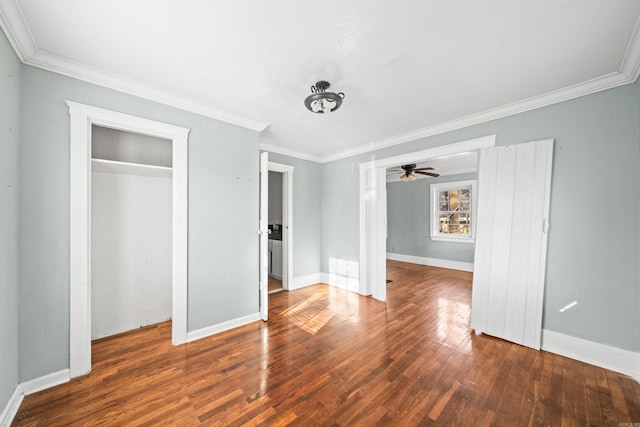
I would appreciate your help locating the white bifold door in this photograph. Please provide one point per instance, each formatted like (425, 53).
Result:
(514, 185)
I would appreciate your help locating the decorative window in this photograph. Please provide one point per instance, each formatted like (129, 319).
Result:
(453, 211)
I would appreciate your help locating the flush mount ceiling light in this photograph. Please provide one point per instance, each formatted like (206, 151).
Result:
(321, 101)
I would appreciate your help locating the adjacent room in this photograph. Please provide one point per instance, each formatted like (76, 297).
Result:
(331, 214)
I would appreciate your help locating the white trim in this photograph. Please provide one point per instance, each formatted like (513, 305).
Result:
(291, 153)
(82, 118)
(47, 381)
(287, 220)
(221, 327)
(433, 262)
(19, 34)
(76, 70)
(598, 84)
(414, 157)
(434, 211)
(11, 408)
(308, 280)
(113, 166)
(14, 24)
(430, 153)
(630, 65)
(263, 242)
(602, 355)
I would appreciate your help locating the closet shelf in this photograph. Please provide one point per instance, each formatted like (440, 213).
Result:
(113, 166)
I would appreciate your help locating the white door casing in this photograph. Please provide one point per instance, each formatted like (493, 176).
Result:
(514, 186)
(82, 118)
(376, 219)
(264, 236)
(373, 243)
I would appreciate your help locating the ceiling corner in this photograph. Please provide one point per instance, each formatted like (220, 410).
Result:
(630, 65)
(15, 26)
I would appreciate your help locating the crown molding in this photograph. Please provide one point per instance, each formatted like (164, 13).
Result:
(630, 65)
(15, 26)
(598, 84)
(76, 70)
(291, 153)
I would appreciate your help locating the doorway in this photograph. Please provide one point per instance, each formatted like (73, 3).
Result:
(275, 225)
(373, 209)
(82, 118)
(509, 260)
(281, 226)
(131, 180)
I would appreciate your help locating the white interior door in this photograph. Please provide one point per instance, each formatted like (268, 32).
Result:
(264, 236)
(514, 184)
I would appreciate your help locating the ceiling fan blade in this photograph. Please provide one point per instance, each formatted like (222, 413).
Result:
(435, 175)
(424, 169)
(395, 170)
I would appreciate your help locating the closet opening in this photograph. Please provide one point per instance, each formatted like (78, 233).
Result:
(131, 231)
(82, 120)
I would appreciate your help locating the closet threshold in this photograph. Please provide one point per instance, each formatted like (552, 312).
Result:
(113, 166)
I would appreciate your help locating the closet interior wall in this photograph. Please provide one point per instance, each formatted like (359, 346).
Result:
(131, 220)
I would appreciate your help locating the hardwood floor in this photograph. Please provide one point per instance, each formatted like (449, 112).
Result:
(333, 358)
(274, 285)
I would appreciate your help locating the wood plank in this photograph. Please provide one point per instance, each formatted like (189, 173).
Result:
(412, 361)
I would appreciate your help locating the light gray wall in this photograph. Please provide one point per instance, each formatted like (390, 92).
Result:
(223, 214)
(9, 143)
(594, 237)
(408, 216)
(307, 206)
(275, 197)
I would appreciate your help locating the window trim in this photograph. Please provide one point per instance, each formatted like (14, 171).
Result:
(434, 216)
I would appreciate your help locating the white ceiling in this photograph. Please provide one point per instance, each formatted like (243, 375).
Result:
(408, 69)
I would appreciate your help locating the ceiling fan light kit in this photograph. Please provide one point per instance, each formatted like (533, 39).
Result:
(409, 171)
(323, 102)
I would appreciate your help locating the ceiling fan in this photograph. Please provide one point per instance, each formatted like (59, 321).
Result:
(409, 171)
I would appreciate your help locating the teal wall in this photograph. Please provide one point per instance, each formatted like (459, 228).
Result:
(408, 216)
(307, 236)
(9, 128)
(223, 214)
(594, 239)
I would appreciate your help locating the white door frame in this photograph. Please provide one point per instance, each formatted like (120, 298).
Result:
(287, 221)
(263, 242)
(372, 257)
(82, 118)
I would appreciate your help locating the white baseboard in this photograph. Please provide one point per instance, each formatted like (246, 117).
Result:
(46, 381)
(221, 327)
(308, 280)
(433, 262)
(11, 408)
(605, 356)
